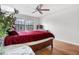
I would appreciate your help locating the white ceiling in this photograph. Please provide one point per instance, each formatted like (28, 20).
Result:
(27, 9)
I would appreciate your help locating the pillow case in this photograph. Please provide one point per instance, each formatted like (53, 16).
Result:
(12, 33)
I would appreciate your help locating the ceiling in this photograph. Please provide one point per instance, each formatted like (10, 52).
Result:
(27, 9)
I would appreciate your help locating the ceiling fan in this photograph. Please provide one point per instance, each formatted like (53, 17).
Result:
(40, 9)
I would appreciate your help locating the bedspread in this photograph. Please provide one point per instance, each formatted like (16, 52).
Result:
(25, 37)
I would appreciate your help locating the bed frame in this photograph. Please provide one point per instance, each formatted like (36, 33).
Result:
(43, 45)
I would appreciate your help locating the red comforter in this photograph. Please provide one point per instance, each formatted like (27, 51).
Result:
(24, 37)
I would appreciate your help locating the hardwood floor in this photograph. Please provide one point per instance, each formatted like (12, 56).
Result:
(60, 48)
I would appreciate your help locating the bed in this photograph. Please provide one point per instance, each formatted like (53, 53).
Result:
(36, 39)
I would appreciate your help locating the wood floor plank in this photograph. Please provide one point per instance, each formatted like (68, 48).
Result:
(60, 48)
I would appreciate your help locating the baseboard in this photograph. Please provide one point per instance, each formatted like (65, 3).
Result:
(68, 42)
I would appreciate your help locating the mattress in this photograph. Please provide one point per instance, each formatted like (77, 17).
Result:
(38, 42)
(30, 43)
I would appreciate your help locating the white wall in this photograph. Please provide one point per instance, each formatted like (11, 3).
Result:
(64, 24)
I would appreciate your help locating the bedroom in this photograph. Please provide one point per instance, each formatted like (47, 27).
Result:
(61, 20)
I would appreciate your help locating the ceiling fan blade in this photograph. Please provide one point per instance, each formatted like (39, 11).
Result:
(40, 12)
(39, 6)
(44, 9)
(34, 11)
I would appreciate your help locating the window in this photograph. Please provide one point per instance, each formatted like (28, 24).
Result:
(23, 25)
